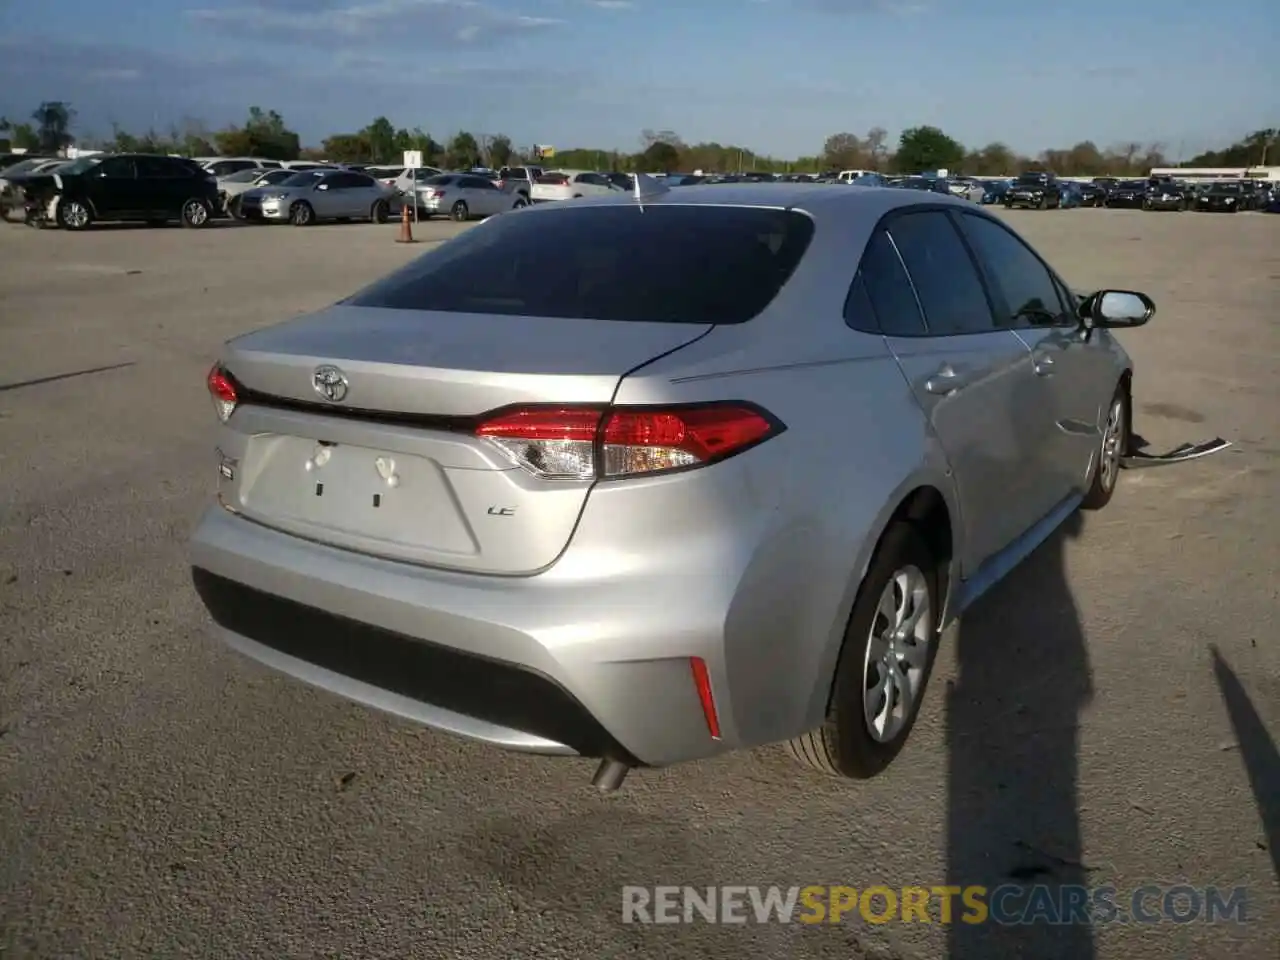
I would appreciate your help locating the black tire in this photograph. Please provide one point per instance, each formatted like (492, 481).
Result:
(1113, 445)
(459, 212)
(233, 209)
(380, 212)
(843, 746)
(74, 215)
(195, 213)
(301, 214)
(520, 204)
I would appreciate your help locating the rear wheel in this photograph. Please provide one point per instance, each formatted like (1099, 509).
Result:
(459, 211)
(884, 666)
(1115, 441)
(519, 204)
(195, 213)
(380, 212)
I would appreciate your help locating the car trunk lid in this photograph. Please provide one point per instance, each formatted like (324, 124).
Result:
(392, 467)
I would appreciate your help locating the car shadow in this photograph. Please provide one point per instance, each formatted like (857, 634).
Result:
(1257, 751)
(1013, 711)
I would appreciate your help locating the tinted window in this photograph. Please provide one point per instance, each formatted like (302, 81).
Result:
(276, 176)
(668, 264)
(350, 181)
(477, 183)
(943, 274)
(117, 168)
(514, 173)
(888, 292)
(1030, 297)
(161, 167)
(305, 179)
(441, 181)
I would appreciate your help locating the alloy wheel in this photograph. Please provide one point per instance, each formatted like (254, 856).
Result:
(897, 654)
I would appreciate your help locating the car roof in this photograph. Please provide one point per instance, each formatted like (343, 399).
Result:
(820, 201)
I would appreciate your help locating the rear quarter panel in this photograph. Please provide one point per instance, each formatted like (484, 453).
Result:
(855, 445)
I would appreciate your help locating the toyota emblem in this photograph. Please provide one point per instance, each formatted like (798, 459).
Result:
(330, 383)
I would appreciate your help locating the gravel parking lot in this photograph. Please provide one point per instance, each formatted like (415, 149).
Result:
(160, 796)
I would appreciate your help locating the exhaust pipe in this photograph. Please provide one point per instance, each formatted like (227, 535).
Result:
(609, 775)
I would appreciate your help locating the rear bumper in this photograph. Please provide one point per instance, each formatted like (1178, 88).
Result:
(568, 662)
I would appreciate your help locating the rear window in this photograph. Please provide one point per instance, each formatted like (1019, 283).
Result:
(665, 264)
(440, 180)
(554, 179)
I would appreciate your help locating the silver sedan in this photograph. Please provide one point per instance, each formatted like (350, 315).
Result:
(462, 196)
(314, 195)
(653, 478)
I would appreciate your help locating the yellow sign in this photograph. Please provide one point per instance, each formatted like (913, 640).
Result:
(546, 152)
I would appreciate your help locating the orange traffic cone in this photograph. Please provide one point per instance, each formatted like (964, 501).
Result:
(406, 227)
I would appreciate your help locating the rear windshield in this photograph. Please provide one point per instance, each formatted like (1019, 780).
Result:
(557, 179)
(440, 180)
(665, 264)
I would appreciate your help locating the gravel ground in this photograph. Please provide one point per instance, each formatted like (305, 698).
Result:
(162, 797)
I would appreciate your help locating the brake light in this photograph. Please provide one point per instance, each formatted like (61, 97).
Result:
(583, 443)
(223, 391)
(435, 194)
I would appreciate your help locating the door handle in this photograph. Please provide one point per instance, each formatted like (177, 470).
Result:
(945, 381)
(1043, 364)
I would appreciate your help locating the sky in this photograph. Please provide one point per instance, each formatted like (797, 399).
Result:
(776, 76)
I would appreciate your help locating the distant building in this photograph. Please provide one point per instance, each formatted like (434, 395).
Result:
(1218, 173)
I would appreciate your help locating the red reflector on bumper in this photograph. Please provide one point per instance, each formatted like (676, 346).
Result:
(702, 681)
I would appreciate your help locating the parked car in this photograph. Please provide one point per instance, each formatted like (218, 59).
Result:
(1072, 195)
(1091, 194)
(993, 191)
(464, 196)
(571, 184)
(310, 196)
(966, 189)
(404, 180)
(554, 485)
(1225, 197)
(1127, 194)
(124, 186)
(1165, 195)
(11, 177)
(233, 186)
(224, 166)
(1038, 190)
(518, 180)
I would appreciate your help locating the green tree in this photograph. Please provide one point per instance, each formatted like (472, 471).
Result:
(500, 151)
(463, 152)
(23, 136)
(53, 125)
(658, 157)
(381, 137)
(842, 151)
(927, 148)
(263, 135)
(347, 148)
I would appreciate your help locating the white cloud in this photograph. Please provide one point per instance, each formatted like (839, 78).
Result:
(431, 23)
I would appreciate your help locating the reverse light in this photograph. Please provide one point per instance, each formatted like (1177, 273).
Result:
(584, 443)
(223, 392)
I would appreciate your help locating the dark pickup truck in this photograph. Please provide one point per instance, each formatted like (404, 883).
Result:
(1039, 191)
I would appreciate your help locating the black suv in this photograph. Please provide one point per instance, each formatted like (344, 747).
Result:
(1039, 190)
(123, 186)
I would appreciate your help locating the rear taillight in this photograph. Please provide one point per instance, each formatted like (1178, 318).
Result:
(436, 194)
(223, 391)
(583, 443)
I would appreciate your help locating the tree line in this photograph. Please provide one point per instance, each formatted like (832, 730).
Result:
(265, 134)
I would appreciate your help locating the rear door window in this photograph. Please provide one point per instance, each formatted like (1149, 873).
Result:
(882, 300)
(666, 264)
(943, 273)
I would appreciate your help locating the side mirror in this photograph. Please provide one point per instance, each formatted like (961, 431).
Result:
(1117, 308)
